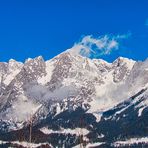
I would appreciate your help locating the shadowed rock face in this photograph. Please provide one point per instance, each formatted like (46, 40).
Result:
(60, 71)
(109, 100)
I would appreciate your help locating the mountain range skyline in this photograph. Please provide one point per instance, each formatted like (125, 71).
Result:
(61, 92)
(47, 28)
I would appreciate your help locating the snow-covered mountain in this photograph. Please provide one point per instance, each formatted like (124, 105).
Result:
(71, 95)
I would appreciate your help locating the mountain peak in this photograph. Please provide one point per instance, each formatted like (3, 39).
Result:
(12, 60)
(124, 61)
(39, 58)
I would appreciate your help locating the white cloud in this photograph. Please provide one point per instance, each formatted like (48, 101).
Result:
(103, 45)
(146, 22)
(21, 110)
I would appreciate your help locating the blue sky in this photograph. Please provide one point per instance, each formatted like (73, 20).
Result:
(29, 28)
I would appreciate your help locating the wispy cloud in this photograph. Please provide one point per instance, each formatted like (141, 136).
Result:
(103, 45)
(146, 22)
